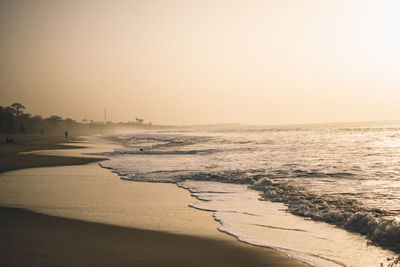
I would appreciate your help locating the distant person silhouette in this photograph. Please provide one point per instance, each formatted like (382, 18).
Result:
(9, 140)
(41, 132)
(66, 134)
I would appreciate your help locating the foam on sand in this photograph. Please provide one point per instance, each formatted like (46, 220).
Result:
(243, 215)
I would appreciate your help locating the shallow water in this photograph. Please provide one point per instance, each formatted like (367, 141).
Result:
(90, 193)
(346, 176)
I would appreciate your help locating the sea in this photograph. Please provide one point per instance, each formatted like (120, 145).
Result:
(327, 195)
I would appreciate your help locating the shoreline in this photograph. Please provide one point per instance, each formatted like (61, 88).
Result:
(17, 156)
(58, 240)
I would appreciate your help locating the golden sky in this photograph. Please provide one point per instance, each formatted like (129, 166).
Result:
(195, 62)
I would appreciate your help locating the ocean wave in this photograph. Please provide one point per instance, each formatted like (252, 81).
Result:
(320, 173)
(236, 176)
(380, 227)
(291, 172)
(137, 151)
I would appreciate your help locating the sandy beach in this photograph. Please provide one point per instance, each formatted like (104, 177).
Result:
(12, 156)
(200, 133)
(85, 215)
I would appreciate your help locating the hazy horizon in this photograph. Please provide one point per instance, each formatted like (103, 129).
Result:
(203, 62)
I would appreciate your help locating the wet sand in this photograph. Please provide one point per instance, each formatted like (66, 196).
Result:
(32, 239)
(13, 158)
(86, 216)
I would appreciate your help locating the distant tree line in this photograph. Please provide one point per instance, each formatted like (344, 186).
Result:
(14, 119)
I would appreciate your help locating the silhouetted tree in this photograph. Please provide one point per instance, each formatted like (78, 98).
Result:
(139, 121)
(8, 120)
(69, 123)
(37, 119)
(24, 120)
(18, 110)
(53, 121)
(2, 120)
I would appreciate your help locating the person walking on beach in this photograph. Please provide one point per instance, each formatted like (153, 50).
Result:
(66, 134)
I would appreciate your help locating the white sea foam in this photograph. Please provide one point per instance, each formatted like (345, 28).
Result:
(261, 223)
(347, 177)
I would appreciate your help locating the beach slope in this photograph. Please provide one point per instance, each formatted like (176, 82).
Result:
(32, 239)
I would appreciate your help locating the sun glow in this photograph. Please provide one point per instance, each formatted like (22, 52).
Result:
(302, 61)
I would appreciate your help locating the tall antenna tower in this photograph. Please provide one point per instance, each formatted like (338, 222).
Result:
(105, 116)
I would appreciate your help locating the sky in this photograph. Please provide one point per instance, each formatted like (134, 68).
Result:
(200, 62)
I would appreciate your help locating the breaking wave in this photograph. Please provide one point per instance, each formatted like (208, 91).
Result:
(380, 227)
